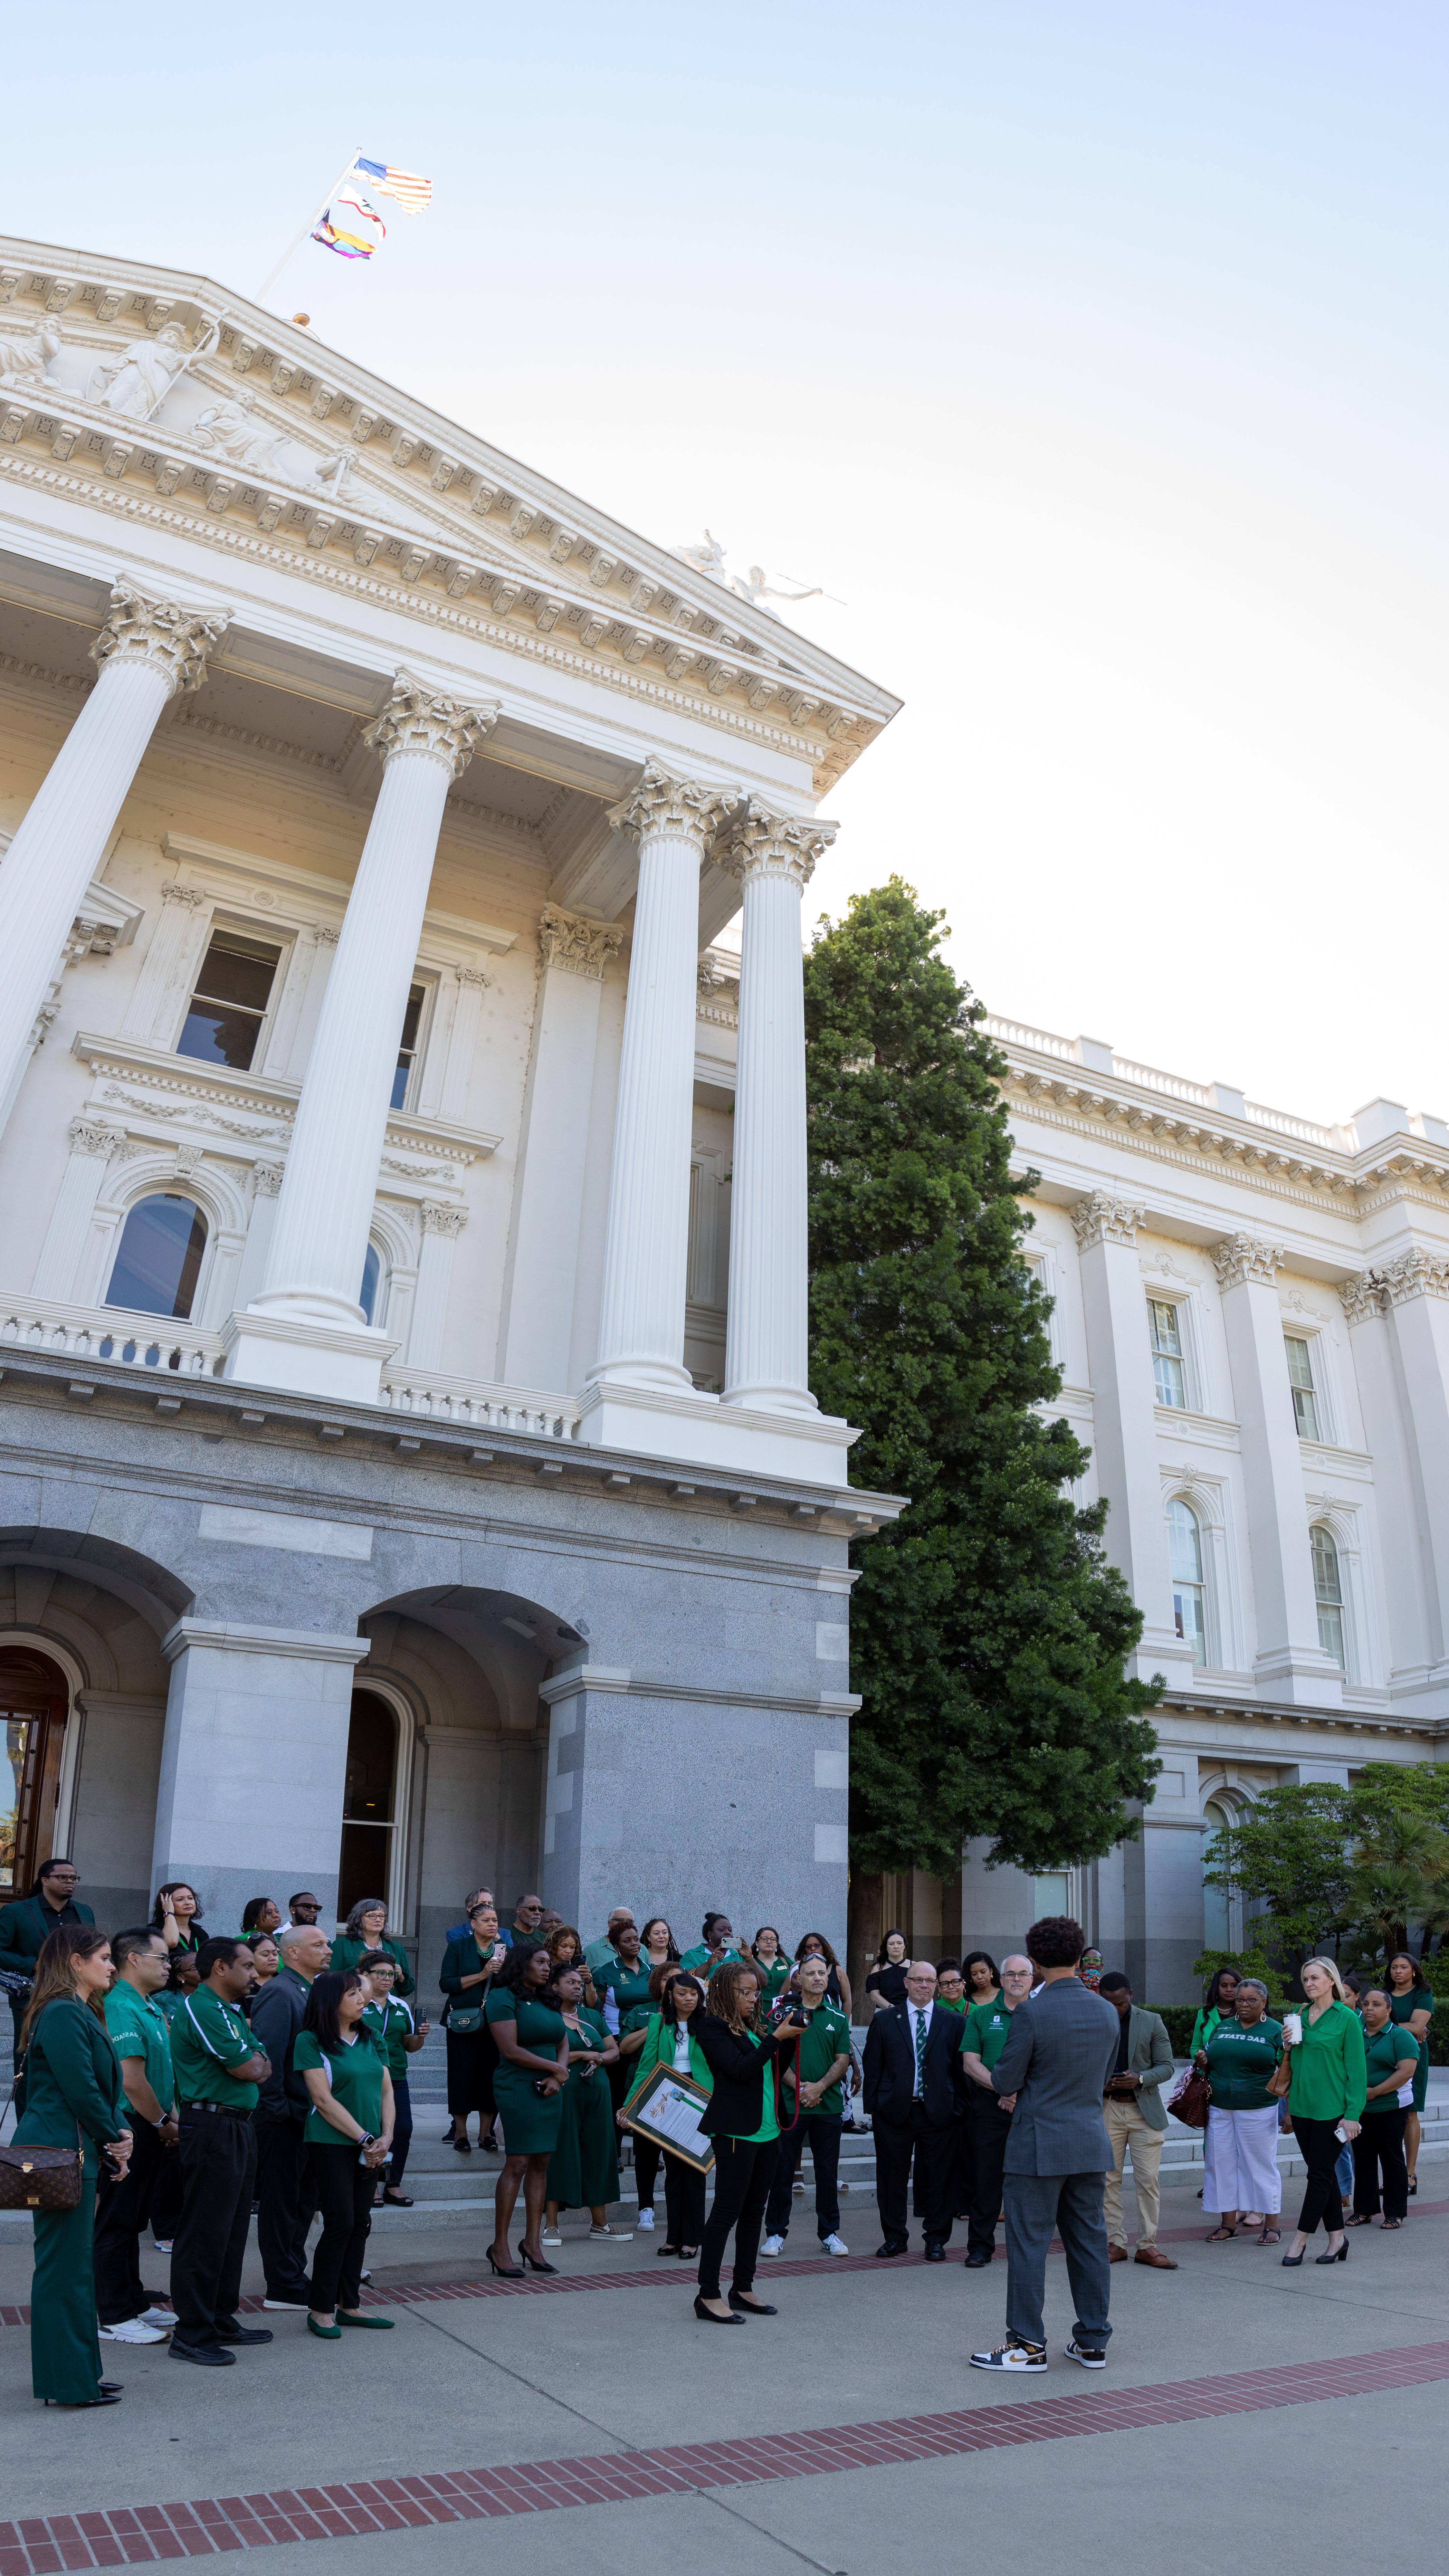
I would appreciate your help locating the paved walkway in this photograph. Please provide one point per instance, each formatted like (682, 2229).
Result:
(847, 2434)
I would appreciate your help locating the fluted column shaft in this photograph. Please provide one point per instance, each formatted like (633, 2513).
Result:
(147, 651)
(646, 1248)
(767, 1359)
(319, 1242)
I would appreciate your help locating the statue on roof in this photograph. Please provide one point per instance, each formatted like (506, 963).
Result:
(32, 361)
(136, 381)
(708, 559)
(757, 588)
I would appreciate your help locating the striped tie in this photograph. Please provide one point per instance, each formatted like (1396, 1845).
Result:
(920, 2050)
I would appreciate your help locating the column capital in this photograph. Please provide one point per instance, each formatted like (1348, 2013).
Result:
(1100, 1218)
(755, 843)
(435, 1219)
(422, 720)
(580, 947)
(91, 1137)
(1414, 1273)
(1242, 1257)
(1363, 1296)
(683, 806)
(173, 640)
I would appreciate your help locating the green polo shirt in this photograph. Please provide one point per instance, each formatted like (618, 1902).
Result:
(631, 1985)
(697, 1960)
(826, 2037)
(1382, 2053)
(1240, 2059)
(355, 2075)
(209, 2038)
(988, 2028)
(138, 2029)
(391, 2023)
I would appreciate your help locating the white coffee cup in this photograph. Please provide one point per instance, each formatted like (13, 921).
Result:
(1292, 2028)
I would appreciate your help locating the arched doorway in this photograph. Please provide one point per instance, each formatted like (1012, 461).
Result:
(370, 1805)
(1220, 1927)
(34, 1705)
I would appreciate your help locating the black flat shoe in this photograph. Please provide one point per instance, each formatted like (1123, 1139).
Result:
(750, 2307)
(1340, 2257)
(396, 2200)
(462, 2146)
(110, 2387)
(707, 2316)
(535, 2262)
(662, 2250)
(77, 2405)
(489, 2146)
(502, 2271)
(977, 2262)
(892, 2245)
(935, 2253)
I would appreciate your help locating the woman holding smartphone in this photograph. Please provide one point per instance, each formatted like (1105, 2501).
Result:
(745, 2127)
(1327, 2086)
(470, 1964)
(176, 1915)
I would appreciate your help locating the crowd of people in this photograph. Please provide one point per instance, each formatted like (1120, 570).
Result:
(207, 2078)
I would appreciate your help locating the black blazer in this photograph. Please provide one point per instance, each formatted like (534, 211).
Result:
(890, 2066)
(737, 2104)
(276, 2018)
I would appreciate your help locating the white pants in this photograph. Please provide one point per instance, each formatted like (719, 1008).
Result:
(1240, 2160)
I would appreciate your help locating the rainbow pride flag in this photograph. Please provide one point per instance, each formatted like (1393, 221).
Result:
(350, 226)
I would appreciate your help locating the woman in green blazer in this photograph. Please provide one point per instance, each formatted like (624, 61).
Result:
(366, 1929)
(73, 2098)
(669, 2042)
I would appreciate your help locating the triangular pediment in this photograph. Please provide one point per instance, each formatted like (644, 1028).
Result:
(212, 414)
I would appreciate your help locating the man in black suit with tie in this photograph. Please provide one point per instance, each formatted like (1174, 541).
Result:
(912, 2053)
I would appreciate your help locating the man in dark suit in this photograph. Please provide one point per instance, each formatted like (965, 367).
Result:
(1054, 2070)
(28, 1924)
(912, 2056)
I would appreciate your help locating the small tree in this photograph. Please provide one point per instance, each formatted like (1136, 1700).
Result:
(988, 1629)
(1290, 1852)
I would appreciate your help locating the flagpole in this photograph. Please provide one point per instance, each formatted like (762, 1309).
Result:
(310, 226)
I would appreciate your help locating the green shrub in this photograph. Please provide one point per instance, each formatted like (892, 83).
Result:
(1179, 2019)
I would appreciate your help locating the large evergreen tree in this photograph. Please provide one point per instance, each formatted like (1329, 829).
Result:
(988, 1629)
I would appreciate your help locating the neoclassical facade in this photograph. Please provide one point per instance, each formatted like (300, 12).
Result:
(410, 1472)
(1252, 1322)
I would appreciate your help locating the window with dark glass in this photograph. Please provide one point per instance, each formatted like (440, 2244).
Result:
(368, 1801)
(371, 1281)
(158, 1259)
(231, 999)
(408, 1046)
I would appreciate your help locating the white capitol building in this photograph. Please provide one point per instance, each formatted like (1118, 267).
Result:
(410, 1473)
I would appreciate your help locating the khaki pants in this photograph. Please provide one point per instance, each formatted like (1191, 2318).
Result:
(1127, 2128)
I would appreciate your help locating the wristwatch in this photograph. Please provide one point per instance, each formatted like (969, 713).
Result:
(368, 2138)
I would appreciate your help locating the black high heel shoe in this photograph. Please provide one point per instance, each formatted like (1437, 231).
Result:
(1291, 2262)
(502, 2271)
(535, 2262)
(1340, 2257)
(707, 2316)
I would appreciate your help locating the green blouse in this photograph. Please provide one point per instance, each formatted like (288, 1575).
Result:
(345, 1954)
(355, 2075)
(1329, 2082)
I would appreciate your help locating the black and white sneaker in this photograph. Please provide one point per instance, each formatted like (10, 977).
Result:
(1089, 2355)
(1011, 2355)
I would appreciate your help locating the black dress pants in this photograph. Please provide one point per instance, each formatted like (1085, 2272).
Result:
(823, 2132)
(218, 2164)
(402, 2135)
(934, 2148)
(647, 2152)
(1378, 2148)
(743, 2172)
(1321, 2148)
(344, 2187)
(683, 2202)
(287, 2204)
(122, 2210)
(990, 2128)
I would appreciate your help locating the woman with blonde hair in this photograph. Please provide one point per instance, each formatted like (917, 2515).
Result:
(1327, 2087)
(73, 2099)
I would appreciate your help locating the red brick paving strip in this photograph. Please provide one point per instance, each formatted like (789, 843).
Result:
(139, 2535)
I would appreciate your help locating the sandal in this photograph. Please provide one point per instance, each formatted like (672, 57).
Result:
(1270, 2236)
(1391, 2222)
(1358, 2222)
(1220, 2235)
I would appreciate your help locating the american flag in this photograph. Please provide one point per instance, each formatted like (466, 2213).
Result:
(411, 192)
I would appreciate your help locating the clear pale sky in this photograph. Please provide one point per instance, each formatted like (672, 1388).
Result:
(1093, 353)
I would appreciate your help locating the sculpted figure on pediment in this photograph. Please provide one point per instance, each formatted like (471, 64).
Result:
(229, 428)
(708, 558)
(30, 361)
(757, 588)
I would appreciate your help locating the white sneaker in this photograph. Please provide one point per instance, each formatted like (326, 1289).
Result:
(132, 2331)
(1090, 2356)
(287, 2307)
(550, 2236)
(157, 2315)
(833, 2245)
(1011, 2355)
(645, 2222)
(773, 2245)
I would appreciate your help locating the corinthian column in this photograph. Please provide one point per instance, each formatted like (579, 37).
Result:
(148, 650)
(641, 1320)
(767, 1352)
(305, 1329)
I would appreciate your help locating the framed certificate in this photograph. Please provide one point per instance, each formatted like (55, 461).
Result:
(667, 2109)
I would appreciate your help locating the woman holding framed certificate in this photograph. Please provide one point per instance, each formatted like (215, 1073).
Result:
(671, 2041)
(744, 2125)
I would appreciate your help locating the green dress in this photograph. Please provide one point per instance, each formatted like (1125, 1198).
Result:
(1402, 2008)
(345, 1954)
(583, 2171)
(74, 2086)
(531, 2121)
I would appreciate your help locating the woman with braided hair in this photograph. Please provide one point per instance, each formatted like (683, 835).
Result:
(744, 2124)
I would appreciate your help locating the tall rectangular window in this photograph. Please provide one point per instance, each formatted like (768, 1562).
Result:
(231, 1000)
(407, 1047)
(1167, 1368)
(1328, 1594)
(1300, 1378)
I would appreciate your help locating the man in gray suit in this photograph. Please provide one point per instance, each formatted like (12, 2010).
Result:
(1054, 2069)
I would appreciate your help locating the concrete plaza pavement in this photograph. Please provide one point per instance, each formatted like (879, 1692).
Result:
(481, 2381)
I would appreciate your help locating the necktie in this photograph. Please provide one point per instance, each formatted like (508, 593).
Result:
(920, 2050)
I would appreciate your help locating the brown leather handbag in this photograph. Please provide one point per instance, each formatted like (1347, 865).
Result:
(44, 2178)
(1190, 2102)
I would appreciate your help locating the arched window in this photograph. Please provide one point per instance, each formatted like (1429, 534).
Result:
(158, 1259)
(369, 1806)
(1217, 1910)
(369, 1294)
(1189, 1603)
(1328, 1593)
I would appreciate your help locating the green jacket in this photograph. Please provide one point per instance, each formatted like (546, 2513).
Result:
(24, 1926)
(73, 2081)
(1328, 2076)
(462, 1959)
(345, 1954)
(1149, 2054)
(658, 2050)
